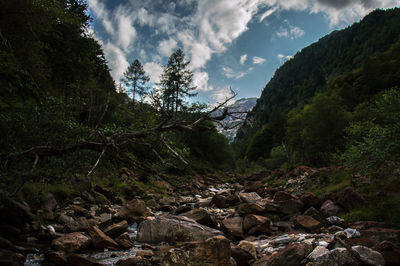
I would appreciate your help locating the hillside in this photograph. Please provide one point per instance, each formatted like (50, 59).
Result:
(311, 69)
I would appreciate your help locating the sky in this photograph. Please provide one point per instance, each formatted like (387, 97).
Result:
(234, 44)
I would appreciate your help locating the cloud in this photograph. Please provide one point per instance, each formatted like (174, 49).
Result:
(166, 47)
(289, 31)
(222, 94)
(268, 13)
(200, 80)
(282, 58)
(154, 70)
(243, 58)
(229, 73)
(116, 59)
(258, 60)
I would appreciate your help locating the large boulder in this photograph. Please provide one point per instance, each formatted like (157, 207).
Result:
(101, 240)
(378, 234)
(369, 256)
(350, 199)
(308, 223)
(133, 210)
(213, 251)
(309, 200)
(218, 201)
(292, 255)
(11, 258)
(201, 216)
(251, 197)
(70, 243)
(173, 229)
(255, 224)
(80, 224)
(117, 229)
(249, 208)
(341, 256)
(234, 226)
(390, 252)
(15, 213)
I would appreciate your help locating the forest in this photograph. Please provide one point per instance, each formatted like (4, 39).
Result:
(325, 129)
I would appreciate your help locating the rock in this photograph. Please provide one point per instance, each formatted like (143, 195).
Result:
(334, 220)
(100, 240)
(144, 253)
(378, 234)
(6, 244)
(337, 256)
(249, 247)
(292, 255)
(201, 216)
(167, 201)
(283, 196)
(100, 198)
(56, 258)
(50, 203)
(232, 200)
(79, 211)
(308, 223)
(124, 241)
(80, 224)
(65, 219)
(370, 256)
(389, 251)
(75, 259)
(318, 251)
(249, 208)
(173, 229)
(283, 239)
(116, 229)
(11, 258)
(71, 242)
(241, 256)
(256, 224)
(234, 226)
(218, 201)
(15, 213)
(181, 209)
(287, 203)
(133, 210)
(314, 213)
(88, 197)
(213, 251)
(130, 261)
(329, 208)
(251, 197)
(351, 233)
(309, 200)
(105, 217)
(350, 199)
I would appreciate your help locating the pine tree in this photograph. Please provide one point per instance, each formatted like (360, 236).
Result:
(176, 83)
(135, 80)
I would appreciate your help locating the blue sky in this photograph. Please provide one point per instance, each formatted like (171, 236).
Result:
(230, 43)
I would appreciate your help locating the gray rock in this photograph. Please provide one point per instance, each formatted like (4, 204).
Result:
(173, 229)
(329, 208)
(318, 251)
(80, 224)
(50, 203)
(251, 197)
(335, 257)
(369, 255)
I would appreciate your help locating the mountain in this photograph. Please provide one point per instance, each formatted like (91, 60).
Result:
(314, 67)
(242, 106)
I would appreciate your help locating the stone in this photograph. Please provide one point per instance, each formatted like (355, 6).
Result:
(232, 200)
(100, 240)
(318, 251)
(204, 202)
(15, 213)
(181, 209)
(334, 220)
(351, 233)
(329, 208)
(308, 223)
(251, 197)
(130, 261)
(292, 255)
(350, 199)
(314, 213)
(171, 228)
(256, 224)
(309, 200)
(166, 201)
(71, 242)
(65, 219)
(201, 216)
(80, 224)
(234, 226)
(218, 201)
(100, 198)
(283, 196)
(389, 251)
(213, 251)
(335, 257)
(249, 247)
(75, 259)
(144, 253)
(116, 229)
(289, 206)
(249, 208)
(378, 234)
(79, 211)
(370, 256)
(10, 258)
(241, 256)
(50, 203)
(105, 217)
(133, 210)
(125, 241)
(56, 258)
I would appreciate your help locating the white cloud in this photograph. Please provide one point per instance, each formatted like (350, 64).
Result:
(126, 32)
(116, 59)
(296, 32)
(289, 31)
(229, 73)
(154, 71)
(200, 80)
(282, 58)
(258, 60)
(243, 58)
(222, 94)
(268, 13)
(166, 47)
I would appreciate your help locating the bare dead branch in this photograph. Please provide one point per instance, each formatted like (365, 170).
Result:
(174, 152)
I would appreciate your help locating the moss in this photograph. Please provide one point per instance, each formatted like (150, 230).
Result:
(35, 192)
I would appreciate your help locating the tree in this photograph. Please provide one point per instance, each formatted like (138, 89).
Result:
(176, 83)
(135, 79)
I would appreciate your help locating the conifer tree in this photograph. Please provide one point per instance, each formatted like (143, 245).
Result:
(135, 80)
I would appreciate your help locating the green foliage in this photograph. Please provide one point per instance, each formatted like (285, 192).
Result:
(135, 80)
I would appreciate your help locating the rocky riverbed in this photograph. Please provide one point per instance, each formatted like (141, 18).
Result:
(204, 223)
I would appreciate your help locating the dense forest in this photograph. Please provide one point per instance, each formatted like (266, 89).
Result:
(126, 172)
